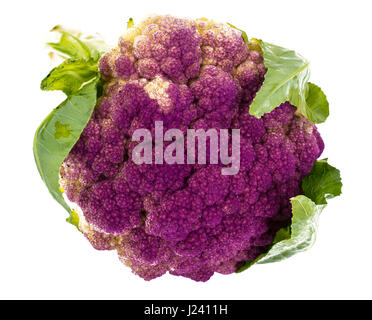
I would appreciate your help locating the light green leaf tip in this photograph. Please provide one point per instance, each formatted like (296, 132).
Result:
(74, 219)
(243, 33)
(71, 46)
(130, 23)
(77, 45)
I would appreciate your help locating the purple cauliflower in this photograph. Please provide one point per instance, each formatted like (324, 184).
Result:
(188, 220)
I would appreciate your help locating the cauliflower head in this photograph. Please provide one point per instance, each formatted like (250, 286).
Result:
(188, 220)
(184, 219)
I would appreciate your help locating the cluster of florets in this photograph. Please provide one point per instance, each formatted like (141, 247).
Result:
(188, 220)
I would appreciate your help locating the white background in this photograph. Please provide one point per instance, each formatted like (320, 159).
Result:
(41, 256)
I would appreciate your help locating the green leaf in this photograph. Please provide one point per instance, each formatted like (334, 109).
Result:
(84, 52)
(70, 75)
(286, 79)
(76, 45)
(130, 23)
(282, 234)
(244, 34)
(249, 264)
(71, 46)
(317, 106)
(322, 183)
(287, 72)
(59, 132)
(305, 214)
